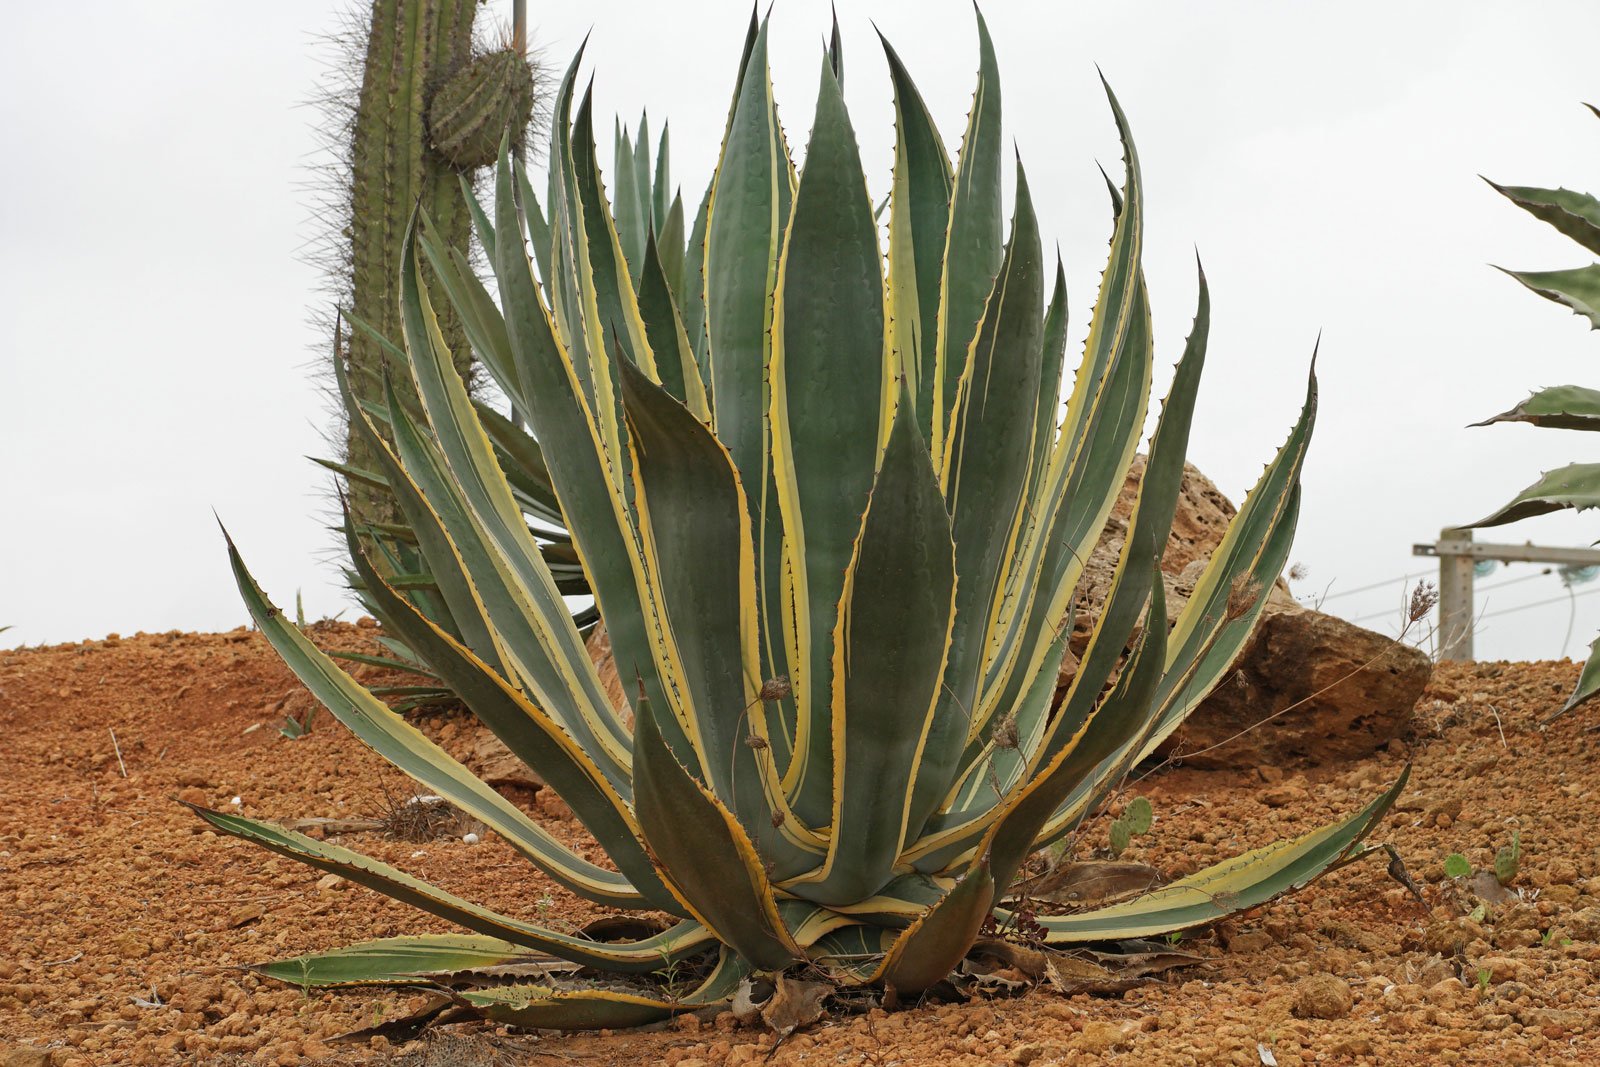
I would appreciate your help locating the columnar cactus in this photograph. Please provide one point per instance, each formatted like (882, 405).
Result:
(424, 104)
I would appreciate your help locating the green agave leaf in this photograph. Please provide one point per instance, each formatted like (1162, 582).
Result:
(930, 947)
(1230, 887)
(631, 225)
(614, 319)
(682, 941)
(918, 217)
(403, 745)
(705, 855)
(1149, 526)
(1588, 682)
(577, 462)
(829, 410)
(661, 195)
(889, 650)
(749, 204)
(691, 293)
(1562, 407)
(1575, 214)
(1578, 289)
(464, 611)
(539, 237)
(533, 630)
(544, 1007)
(1575, 486)
(695, 529)
(533, 736)
(973, 251)
(1118, 721)
(675, 361)
(984, 474)
(750, 200)
(1098, 438)
(394, 961)
(671, 250)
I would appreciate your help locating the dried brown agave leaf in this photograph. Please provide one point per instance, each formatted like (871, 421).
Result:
(794, 1004)
(1091, 882)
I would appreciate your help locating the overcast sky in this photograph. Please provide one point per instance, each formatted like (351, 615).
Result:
(155, 347)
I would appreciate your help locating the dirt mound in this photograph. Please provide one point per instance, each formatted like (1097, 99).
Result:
(126, 922)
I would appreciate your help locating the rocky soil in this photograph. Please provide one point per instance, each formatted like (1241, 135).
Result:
(124, 923)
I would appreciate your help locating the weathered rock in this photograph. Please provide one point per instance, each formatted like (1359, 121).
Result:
(1349, 691)
(1371, 682)
(492, 761)
(1323, 996)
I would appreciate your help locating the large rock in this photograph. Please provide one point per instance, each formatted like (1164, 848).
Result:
(1347, 690)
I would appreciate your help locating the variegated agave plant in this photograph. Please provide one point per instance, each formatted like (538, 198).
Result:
(833, 524)
(1564, 407)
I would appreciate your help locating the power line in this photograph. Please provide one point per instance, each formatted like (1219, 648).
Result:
(1485, 589)
(1538, 604)
(1375, 585)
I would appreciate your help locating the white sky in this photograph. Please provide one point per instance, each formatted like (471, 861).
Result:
(154, 336)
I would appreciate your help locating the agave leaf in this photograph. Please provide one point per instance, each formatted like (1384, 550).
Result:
(918, 217)
(609, 283)
(534, 737)
(534, 634)
(1096, 444)
(403, 745)
(750, 200)
(670, 244)
(1575, 214)
(661, 195)
(571, 296)
(973, 251)
(552, 1008)
(630, 225)
(928, 949)
(680, 374)
(831, 400)
(708, 860)
(889, 649)
(455, 587)
(679, 942)
(394, 961)
(538, 229)
(1149, 526)
(694, 529)
(1229, 887)
(1578, 289)
(570, 440)
(1588, 682)
(1116, 722)
(1575, 486)
(691, 293)
(1562, 407)
(983, 474)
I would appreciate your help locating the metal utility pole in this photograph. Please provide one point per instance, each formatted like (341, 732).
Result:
(1457, 552)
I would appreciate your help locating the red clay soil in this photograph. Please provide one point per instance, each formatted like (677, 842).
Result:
(125, 922)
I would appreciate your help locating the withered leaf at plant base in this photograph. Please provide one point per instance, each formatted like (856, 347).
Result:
(1102, 972)
(435, 1009)
(794, 1004)
(745, 1007)
(1030, 961)
(1091, 882)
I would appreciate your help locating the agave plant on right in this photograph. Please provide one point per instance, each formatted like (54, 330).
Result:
(1564, 407)
(833, 522)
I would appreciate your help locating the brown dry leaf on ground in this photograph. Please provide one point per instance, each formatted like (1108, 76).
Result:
(127, 924)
